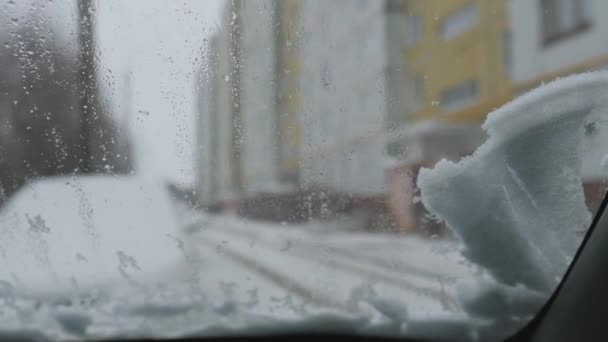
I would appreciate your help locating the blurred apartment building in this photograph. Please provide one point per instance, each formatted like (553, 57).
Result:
(354, 96)
(456, 71)
(295, 97)
(300, 96)
(248, 133)
(457, 60)
(351, 85)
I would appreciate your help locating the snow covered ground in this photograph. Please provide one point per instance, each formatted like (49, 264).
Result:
(109, 256)
(327, 269)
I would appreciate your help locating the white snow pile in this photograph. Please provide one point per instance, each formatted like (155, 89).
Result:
(517, 203)
(65, 234)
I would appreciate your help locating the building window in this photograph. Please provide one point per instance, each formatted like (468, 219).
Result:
(417, 91)
(563, 18)
(460, 96)
(413, 29)
(459, 22)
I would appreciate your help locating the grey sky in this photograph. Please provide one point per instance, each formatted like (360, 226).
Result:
(159, 43)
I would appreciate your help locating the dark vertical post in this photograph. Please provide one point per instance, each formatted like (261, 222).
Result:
(86, 81)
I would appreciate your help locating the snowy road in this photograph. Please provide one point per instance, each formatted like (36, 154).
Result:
(281, 269)
(124, 263)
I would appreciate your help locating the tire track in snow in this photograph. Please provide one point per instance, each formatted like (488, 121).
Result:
(392, 265)
(281, 280)
(445, 297)
(388, 265)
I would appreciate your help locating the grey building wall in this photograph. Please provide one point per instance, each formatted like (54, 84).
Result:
(237, 126)
(348, 86)
(226, 175)
(345, 87)
(207, 116)
(257, 90)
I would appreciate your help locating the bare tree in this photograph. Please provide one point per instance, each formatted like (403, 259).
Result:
(44, 130)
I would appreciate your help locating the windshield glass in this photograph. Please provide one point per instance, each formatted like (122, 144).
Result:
(420, 168)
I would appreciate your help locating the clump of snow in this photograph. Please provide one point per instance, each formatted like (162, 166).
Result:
(485, 297)
(518, 202)
(548, 103)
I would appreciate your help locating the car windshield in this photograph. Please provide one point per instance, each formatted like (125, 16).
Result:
(417, 168)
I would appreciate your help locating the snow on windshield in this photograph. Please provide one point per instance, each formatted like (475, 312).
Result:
(522, 221)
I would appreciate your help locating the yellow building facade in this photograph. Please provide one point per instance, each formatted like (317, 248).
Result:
(457, 59)
(288, 98)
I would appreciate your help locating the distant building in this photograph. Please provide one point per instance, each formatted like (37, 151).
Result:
(257, 93)
(456, 69)
(351, 67)
(206, 155)
(288, 100)
(458, 59)
(248, 104)
(219, 175)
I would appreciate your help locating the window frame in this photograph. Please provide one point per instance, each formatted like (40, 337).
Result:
(469, 9)
(464, 101)
(553, 32)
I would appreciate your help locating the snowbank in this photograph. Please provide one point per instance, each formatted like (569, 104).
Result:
(517, 203)
(66, 234)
